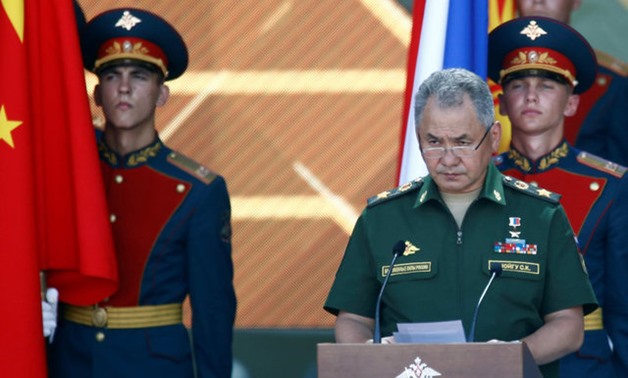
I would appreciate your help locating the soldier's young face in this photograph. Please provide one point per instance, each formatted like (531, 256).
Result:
(557, 9)
(537, 106)
(457, 127)
(129, 95)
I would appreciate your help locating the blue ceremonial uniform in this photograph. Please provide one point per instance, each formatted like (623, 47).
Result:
(170, 218)
(595, 196)
(171, 225)
(600, 126)
(594, 191)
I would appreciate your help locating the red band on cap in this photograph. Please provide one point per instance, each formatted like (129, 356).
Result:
(131, 48)
(526, 58)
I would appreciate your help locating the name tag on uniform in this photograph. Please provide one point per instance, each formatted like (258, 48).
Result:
(517, 266)
(409, 268)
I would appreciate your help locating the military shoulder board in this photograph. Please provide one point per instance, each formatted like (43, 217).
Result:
(192, 167)
(390, 194)
(612, 63)
(601, 164)
(531, 189)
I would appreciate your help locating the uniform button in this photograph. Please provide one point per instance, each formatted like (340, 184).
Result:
(100, 337)
(99, 317)
(180, 188)
(534, 183)
(119, 179)
(112, 218)
(594, 186)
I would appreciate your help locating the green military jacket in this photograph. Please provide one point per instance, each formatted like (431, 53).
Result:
(444, 269)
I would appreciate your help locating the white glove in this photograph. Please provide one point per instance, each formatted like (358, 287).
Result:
(49, 312)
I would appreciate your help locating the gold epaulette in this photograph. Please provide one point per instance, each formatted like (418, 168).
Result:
(612, 63)
(531, 189)
(390, 194)
(601, 164)
(192, 167)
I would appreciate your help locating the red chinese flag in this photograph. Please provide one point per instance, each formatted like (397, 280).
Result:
(75, 242)
(53, 215)
(21, 340)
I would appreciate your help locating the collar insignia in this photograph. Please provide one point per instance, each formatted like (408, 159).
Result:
(546, 162)
(423, 196)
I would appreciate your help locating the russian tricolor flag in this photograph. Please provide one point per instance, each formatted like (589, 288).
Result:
(445, 34)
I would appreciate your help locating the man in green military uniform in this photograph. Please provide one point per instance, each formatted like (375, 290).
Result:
(456, 224)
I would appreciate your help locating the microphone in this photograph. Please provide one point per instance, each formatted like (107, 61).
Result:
(496, 270)
(398, 249)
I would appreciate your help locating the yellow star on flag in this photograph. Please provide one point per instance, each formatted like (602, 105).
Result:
(15, 12)
(6, 126)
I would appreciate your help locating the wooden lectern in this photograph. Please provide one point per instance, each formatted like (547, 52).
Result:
(444, 360)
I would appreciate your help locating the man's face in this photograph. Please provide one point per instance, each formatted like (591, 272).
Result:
(457, 127)
(557, 9)
(537, 106)
(129, 95)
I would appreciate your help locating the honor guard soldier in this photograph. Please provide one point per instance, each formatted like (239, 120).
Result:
(600, 125)
(542, 65)
(459, 226)
(170, 219)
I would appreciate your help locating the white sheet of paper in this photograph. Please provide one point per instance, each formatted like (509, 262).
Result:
(430, 332)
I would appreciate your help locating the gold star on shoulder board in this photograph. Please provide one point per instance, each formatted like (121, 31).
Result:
(383, 195)
(544, 193)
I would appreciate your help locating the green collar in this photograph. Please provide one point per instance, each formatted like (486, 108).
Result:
(492, 190)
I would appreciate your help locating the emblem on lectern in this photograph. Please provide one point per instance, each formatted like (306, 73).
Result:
(418, 369)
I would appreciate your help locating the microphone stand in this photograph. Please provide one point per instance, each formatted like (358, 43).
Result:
(496, 270)
(398, 249)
